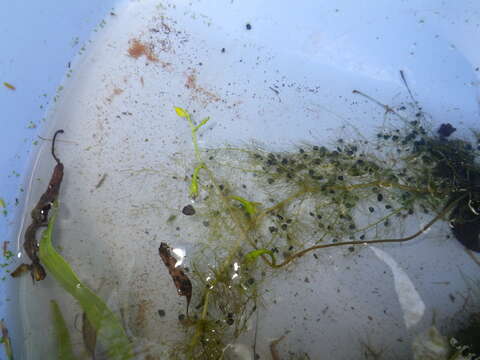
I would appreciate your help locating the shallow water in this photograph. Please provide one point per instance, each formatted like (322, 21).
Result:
(117, 113)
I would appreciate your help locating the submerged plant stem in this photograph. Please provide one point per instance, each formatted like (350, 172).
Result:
(368, 242)
(384, 184)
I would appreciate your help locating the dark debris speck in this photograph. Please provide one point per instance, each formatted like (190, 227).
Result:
(272, 229)
(445, 130)
(188, 210)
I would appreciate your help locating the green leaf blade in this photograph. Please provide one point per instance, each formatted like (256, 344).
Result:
(64, 345)
(111, 333)
(181, 112)
(253, 255)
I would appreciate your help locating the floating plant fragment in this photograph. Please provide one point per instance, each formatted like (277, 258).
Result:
(6, 340)
(9, 86)
(180, 279)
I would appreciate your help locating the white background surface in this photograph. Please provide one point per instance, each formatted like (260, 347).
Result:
(315, 53)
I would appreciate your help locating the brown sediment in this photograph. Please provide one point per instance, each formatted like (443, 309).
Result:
(143, 308)
(191, 82)
(116, 91)
(138, 49)
(273, 348)
(198, 91)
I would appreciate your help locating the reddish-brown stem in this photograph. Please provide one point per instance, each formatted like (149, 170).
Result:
(288, 260)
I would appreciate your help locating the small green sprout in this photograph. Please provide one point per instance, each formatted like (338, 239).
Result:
(193, 128)
(181, 112)
(253, 255)
(249, 206)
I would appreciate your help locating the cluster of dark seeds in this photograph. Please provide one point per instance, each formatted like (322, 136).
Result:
(430, 165)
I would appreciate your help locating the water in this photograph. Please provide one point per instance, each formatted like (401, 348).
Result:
(116, 108)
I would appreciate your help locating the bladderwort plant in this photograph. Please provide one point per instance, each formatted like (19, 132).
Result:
(265, 210)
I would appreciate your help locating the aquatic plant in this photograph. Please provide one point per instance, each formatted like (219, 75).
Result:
(110, 330)
(62, 335)
(5, 340)
(348, 194)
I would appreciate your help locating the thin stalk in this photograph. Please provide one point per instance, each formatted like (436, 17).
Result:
(449, 207)
(380, 183)
(281, 204)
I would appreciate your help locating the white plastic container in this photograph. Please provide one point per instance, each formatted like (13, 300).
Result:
(274, 72)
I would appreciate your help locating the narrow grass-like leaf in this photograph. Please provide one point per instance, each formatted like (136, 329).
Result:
(203, 122)
(111, 333)
(64, 345)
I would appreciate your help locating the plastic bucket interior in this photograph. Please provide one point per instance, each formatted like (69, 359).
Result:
(274, 73)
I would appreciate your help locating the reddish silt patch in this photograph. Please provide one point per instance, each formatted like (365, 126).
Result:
(198, 91)
(117, 91)
(191, 82)
(138, 49)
